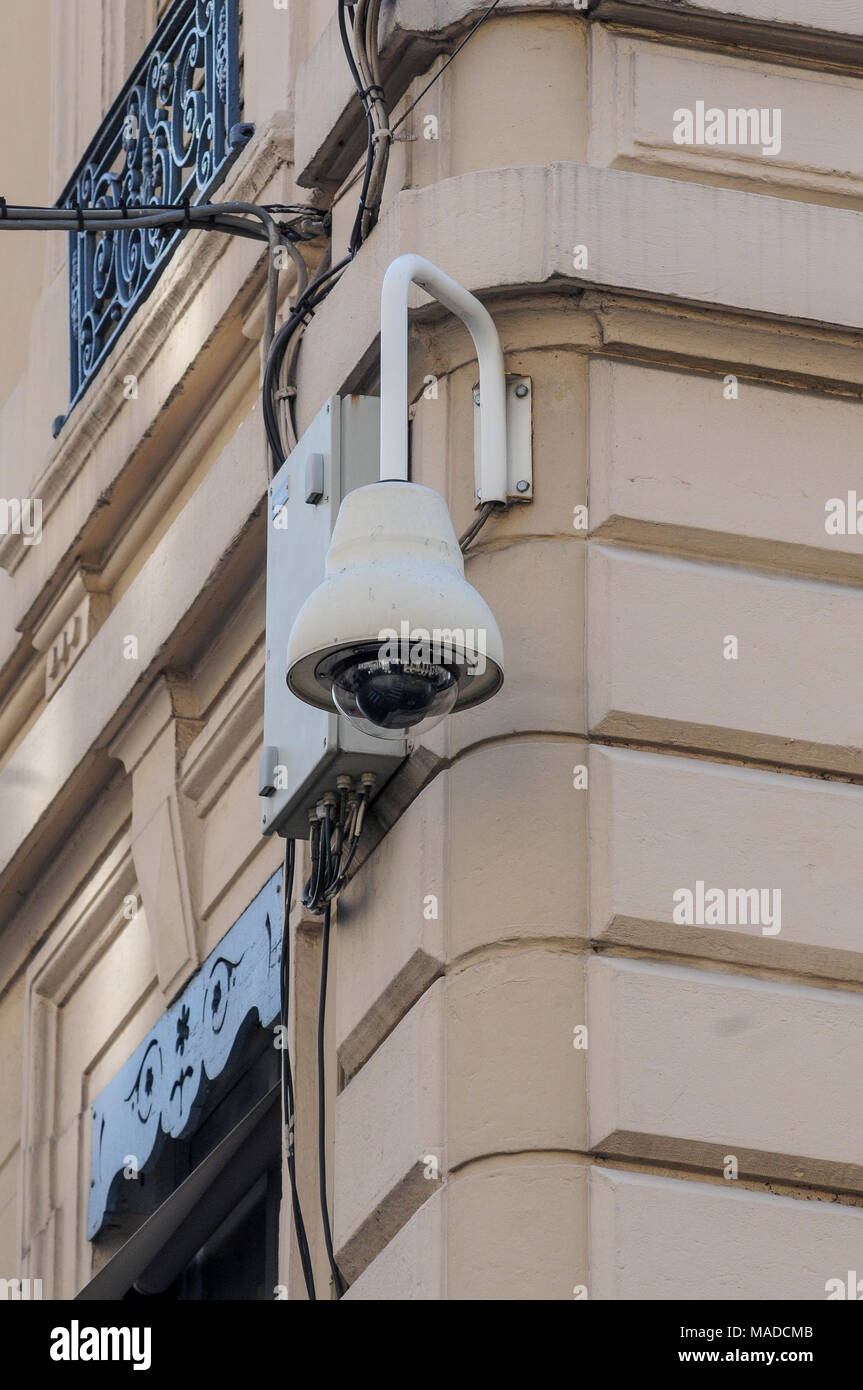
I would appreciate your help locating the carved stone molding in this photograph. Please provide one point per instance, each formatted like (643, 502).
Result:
(160, 1090)
(72, 620)
(164, 831)
(231, 737)
(49, 1184)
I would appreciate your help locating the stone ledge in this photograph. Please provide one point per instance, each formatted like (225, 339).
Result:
(767, 256)
(778, 26)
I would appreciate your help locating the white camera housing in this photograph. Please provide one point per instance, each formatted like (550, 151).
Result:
(306, 747)
(395, 636)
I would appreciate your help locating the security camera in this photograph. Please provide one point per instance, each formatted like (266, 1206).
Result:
(395, 638)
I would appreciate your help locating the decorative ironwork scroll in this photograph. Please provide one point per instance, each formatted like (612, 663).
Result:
(161, 1088)
(171, 135)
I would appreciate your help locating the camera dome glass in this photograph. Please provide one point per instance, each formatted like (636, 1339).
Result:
(388, 698)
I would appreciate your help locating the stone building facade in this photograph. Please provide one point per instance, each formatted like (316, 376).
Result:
(595, 1014)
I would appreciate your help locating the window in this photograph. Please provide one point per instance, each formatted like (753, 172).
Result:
(215, 1235)
(139, 157)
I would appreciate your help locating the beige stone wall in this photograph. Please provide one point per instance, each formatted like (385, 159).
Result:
(696, 386)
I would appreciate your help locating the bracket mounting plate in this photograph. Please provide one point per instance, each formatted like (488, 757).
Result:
(519, 440)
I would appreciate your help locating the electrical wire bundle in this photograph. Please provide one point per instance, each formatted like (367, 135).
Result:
(287, 1074)
(364, 62)
(120, 219)
(361, 52)
(336, 826)
(125, 217)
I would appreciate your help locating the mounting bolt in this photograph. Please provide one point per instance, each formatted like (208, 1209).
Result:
(522, 485)
(521, 389)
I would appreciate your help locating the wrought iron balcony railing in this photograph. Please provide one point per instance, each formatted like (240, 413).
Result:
(171, 135)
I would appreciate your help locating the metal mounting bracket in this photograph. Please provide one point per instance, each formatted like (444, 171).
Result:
(519, 440)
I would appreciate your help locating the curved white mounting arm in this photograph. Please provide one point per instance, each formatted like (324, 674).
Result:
(402, 272)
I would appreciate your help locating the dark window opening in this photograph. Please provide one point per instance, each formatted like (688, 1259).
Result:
(203, 1224)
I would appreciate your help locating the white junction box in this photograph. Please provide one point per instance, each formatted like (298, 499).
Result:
(306, 749)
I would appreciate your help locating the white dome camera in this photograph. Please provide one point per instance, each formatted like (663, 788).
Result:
(395, 638)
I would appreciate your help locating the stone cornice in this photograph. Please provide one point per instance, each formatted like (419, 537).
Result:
(763, 256)
(717, 23)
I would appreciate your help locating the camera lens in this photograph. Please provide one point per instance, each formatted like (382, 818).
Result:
(396, 699)
(386, 698)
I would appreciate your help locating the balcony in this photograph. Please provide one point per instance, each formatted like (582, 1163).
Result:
(170, 137)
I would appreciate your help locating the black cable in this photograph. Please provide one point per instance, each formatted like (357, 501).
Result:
(321, 285)
(287, 1074)
(165, 217)
(315, 885)
(338, 1281)
(341, 824)
(357, 229)
(339, 882)
(313, 882)
(316, 291)
(349, 53)
(477, 524)
(469, 35)
(285, 379)
(356, 232)
(354, 821)
(328, 848)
